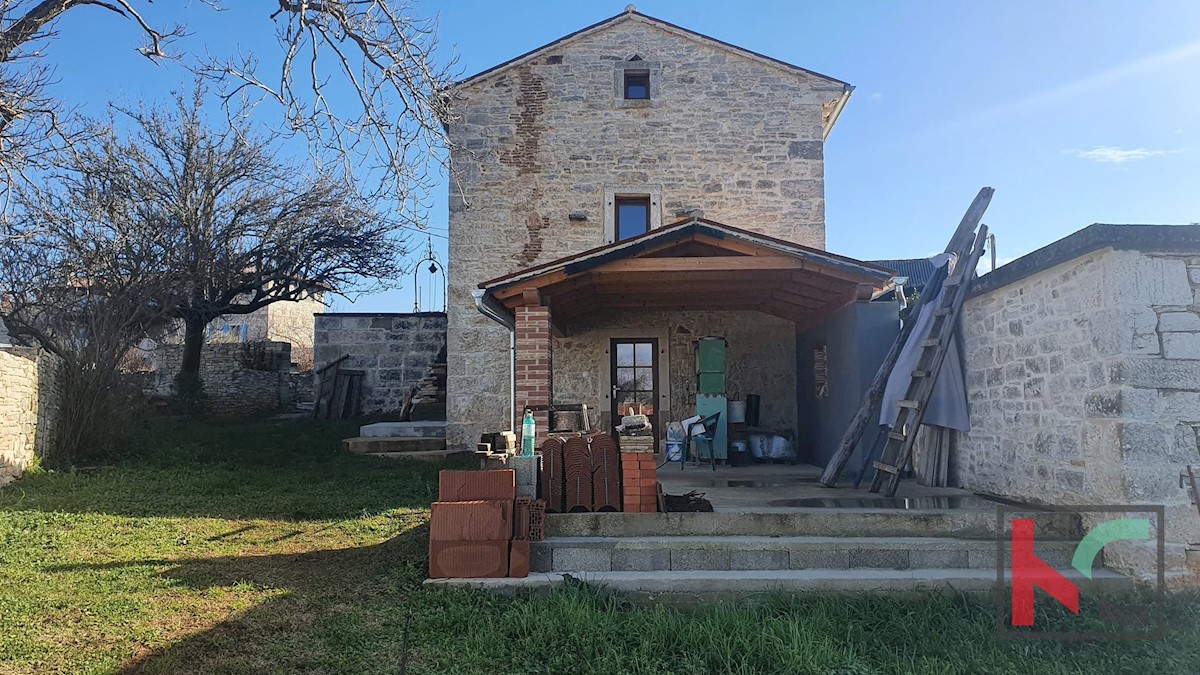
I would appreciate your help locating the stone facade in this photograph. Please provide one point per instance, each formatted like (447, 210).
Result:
(29, 397)
(760, 359)
(544, 145)
(238, 378)
(1084, 388)
(395, 350)
(290, 322)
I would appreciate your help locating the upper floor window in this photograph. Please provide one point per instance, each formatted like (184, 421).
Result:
(637, 85)
(632, 216)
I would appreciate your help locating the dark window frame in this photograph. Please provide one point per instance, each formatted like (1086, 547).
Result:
(618, 202)
(636, 78)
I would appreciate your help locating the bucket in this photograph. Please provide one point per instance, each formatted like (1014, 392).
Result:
(674, 450)
(741, 446)
(737, 412)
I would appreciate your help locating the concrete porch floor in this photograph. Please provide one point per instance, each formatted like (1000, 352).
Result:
(784, 488)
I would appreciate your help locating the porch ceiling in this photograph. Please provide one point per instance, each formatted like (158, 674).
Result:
(693, 265)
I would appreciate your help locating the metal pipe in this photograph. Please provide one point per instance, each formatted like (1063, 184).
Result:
(486, 307)
(992, 246)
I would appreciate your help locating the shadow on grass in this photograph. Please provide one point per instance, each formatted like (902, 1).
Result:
(339, 610)
(285, 469)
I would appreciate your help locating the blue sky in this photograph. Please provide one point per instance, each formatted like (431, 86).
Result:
(1076, 112)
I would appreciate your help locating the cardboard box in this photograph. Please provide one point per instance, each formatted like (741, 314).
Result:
(466, 486)
(483, 520)
(468, 559)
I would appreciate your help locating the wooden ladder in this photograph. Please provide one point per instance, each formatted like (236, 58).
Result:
(898, 450)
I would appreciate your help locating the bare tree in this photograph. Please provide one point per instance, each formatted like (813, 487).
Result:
(238, 227)
(389, 127)
(78, 281)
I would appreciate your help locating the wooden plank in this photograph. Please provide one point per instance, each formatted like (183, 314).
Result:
(710, 264)
(874, 394)
(885, 467)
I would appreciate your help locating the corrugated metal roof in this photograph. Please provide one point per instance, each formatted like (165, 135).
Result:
(918, 270)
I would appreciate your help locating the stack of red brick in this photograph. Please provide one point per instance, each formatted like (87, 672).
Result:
(478, 526)
(639, 479)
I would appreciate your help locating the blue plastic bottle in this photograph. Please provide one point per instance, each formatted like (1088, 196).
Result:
(528, 434)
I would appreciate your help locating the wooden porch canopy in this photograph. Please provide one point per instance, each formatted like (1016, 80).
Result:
(693, 264)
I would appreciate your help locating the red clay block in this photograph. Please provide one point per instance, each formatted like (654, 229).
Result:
(471, 521)
(518, 560)
(468, 559)
(466, 486)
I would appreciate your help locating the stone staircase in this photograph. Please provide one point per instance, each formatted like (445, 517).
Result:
(688, 557)
(429, 401)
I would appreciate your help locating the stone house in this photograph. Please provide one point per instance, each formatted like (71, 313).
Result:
(633, 187)
(606, 215)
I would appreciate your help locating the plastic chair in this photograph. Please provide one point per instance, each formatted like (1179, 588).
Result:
(710, 431)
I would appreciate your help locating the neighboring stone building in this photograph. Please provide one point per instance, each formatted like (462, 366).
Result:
(1083, 373)
(290, 322)
(610, 133)
(396, 351)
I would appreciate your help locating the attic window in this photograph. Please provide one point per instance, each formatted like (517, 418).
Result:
(821, 371)
(637, 85)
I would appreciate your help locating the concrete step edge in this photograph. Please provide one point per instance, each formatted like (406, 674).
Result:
(762, 542)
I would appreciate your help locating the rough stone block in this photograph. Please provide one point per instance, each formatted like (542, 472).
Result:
(700, 559)
(640, 560)
(526, 468)
(582, 559)
(895, 559)
(1178, 322)
(759, 560)
(1153, 373)
(1181, 345)
(824, 560)
(919, 559)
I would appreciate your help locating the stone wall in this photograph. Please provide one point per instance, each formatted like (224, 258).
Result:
(542, 145)
(238, 378)
(1084, 388)
(29, 404)
(395, 350)
(760, 359)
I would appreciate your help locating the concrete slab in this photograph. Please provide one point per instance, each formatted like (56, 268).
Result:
(690, 587)
(431, 429)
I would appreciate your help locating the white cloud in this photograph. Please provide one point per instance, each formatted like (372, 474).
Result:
(1111, 154)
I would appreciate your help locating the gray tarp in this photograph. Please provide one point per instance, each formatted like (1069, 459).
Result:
(948, 404)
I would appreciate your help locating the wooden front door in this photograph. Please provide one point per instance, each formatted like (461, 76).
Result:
(634, 363)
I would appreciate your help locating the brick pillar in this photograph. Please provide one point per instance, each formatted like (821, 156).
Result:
(639, 479)
(534, 381)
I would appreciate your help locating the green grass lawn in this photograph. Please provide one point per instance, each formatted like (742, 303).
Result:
(255, 546)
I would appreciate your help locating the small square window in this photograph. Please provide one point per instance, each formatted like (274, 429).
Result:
(637, 84)
(633, 217)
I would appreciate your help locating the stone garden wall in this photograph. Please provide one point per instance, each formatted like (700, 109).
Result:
(29, 404)
(395, 350)
(1084, 388)
(239, 378)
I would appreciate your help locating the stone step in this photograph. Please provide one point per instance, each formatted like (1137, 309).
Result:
(426, 455)
(369, 446)
(627, 554)
(814, 522)
(697, 586)
(423, 429)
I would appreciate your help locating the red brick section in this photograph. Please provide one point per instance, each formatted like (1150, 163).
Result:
(468, 559)
(467, 486)
(533, 365)
(518, 559)
(490, 520)
(639, 482)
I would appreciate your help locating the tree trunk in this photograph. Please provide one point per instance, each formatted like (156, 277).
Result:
(187, 382)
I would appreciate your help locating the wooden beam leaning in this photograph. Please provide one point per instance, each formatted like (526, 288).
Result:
(874, 394)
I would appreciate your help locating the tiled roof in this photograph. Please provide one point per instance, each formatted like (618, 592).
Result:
(918, 270)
